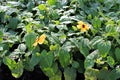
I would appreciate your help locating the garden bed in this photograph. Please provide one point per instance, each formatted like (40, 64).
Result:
(59, 39)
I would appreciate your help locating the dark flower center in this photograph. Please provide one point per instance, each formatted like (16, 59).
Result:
(83, 26)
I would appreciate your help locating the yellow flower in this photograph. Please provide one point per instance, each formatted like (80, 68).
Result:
(80, 23)
(82, 26)
(40, 40)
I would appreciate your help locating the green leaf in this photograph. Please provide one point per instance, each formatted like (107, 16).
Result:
(30, 5)
(74, 28)
(54, 47)
(35, 59)
(75, 64)
(53, 38)
(108, 4)
(70, 73)
(22, 47)
(57, 22)
(62, 27)
(46, 59)
(104, 47)
(104, 74)
(82, 45)
(2, 15)
(96, 23)
(62, 38)
(41, 17)
(15, 68)
(68, 46)
(111, 30)
(81, 3)
(42, 7)
(28, 28)
(117, 39)
(53, 14)
(26, 63)
(18, 71)
(110, 61)
(117, 54)
(13, 23)
(1, 36)
(110, 23)
(95, 41)
(51, 2)
(5, 46)
(30, 39)
(57, 76)
(75, 42)
(90, 59)
(51, 71)
(48, 71)
(91, 74)
(9, 62)
(64, 58)
(13, 3)
(115, 74)
(89, 17)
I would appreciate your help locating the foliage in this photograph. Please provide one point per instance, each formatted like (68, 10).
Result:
(81, 36)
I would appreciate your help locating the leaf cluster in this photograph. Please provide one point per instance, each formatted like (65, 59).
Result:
(66, 49)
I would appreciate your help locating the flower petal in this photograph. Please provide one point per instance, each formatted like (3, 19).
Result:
(41, 39)
(80, 23)
(79, 26)
(35, 44)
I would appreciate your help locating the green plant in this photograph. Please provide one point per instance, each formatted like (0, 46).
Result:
(80, 36)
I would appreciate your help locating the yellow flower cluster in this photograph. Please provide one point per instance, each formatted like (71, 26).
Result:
(40, 40)
(82, 26)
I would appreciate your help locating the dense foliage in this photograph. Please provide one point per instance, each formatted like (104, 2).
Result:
(61, 37)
